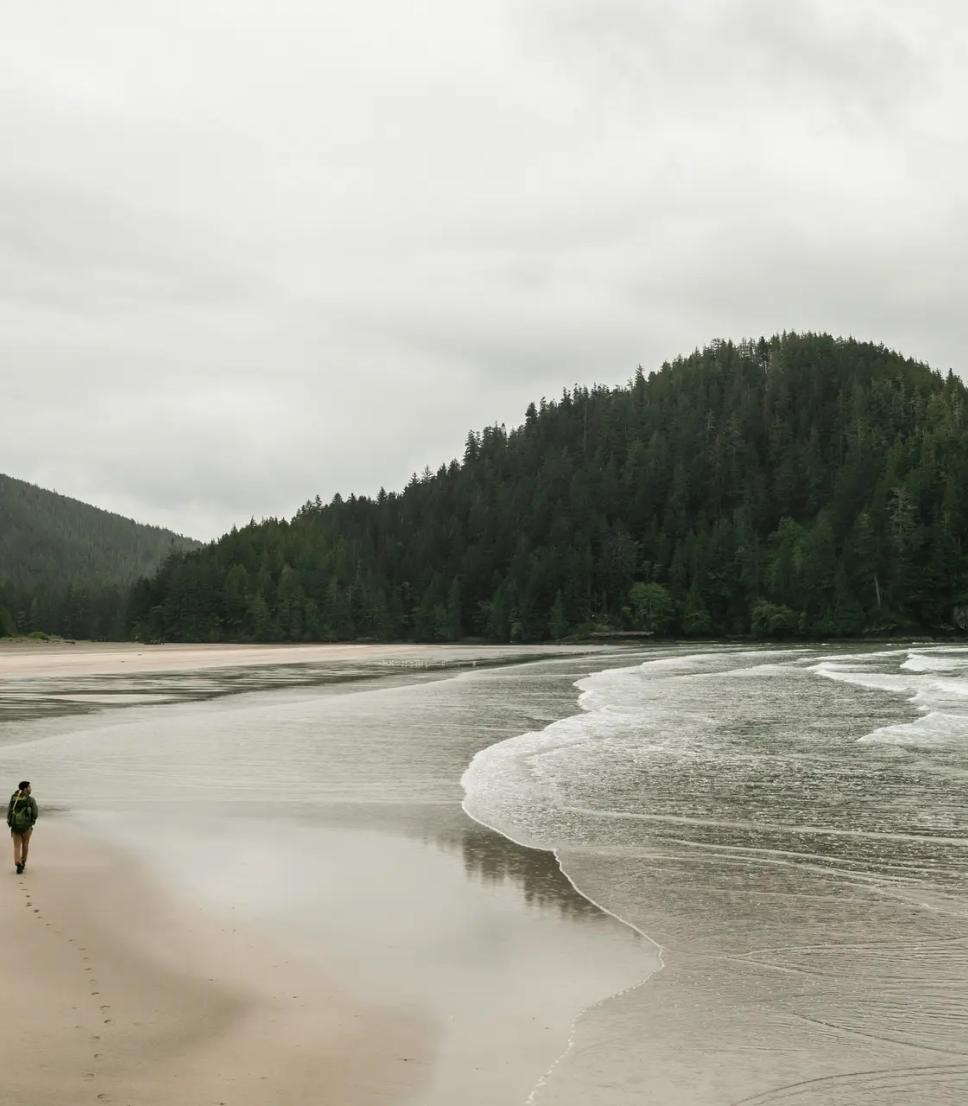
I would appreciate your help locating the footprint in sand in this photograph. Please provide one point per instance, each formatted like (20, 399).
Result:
(105, 1007)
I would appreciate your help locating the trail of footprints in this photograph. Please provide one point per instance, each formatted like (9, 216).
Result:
(104, 1008)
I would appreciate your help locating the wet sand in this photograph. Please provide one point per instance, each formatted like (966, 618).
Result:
(25, 657)
(138, 994)
(355, 952)
(129, 995)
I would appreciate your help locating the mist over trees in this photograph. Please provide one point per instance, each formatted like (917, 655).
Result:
(66, 567)
(800, 485)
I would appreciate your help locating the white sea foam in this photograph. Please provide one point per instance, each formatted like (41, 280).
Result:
(941, 690)
(634, 721)
(934, 729)
(622, 710)
(507, 775)
(869, 656)
(926, 678)
(935, 662)
(860, 676)
(688, 662)
(722, 659)
(754, 671)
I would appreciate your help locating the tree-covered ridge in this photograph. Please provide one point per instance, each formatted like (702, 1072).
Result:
(797, 485)
(67, 567)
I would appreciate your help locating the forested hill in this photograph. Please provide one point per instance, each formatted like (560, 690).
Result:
(67, 567)
(801, 485)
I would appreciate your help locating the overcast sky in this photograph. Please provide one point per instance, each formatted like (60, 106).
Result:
(253, 251)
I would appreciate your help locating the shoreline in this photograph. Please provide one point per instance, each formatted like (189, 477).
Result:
(468, 946)
(653, 971)
(32, 658)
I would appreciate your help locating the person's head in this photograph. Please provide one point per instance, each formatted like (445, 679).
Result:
(25, 785)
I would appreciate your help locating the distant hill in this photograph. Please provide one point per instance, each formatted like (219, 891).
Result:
(66, 567)
(800, 485)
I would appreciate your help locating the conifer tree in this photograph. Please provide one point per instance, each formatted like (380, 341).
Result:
(796, 485)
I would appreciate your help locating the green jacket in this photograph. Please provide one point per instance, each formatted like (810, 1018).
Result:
(33, 808)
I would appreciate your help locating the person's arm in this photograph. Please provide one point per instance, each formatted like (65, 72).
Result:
(34, 811)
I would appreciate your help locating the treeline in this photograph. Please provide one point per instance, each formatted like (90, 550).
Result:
(87, 611)
(801, 485)
(67, 568)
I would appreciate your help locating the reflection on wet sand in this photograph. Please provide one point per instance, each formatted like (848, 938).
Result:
(494, 859)
(418, 910)
(489, 858)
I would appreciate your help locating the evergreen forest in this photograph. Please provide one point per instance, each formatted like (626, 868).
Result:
(67, 568)
(798, 486)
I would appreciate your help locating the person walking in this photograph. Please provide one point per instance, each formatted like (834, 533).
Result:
(21, 816)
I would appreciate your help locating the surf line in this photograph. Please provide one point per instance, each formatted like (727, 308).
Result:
(769, 827)
(542, 1082)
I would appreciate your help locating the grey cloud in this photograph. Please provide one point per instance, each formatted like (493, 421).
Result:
(63, 245)
(850, 59)
(246, 259)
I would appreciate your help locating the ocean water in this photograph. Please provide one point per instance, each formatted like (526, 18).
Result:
(674, 876)
(791, 827)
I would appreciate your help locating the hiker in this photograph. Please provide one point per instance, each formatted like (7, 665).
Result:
(21, 815)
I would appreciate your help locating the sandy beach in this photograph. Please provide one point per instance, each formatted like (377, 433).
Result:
(373, 945)
(130, 995)
(139, 994)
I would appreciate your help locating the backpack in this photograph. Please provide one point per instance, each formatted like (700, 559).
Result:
(21, 818)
